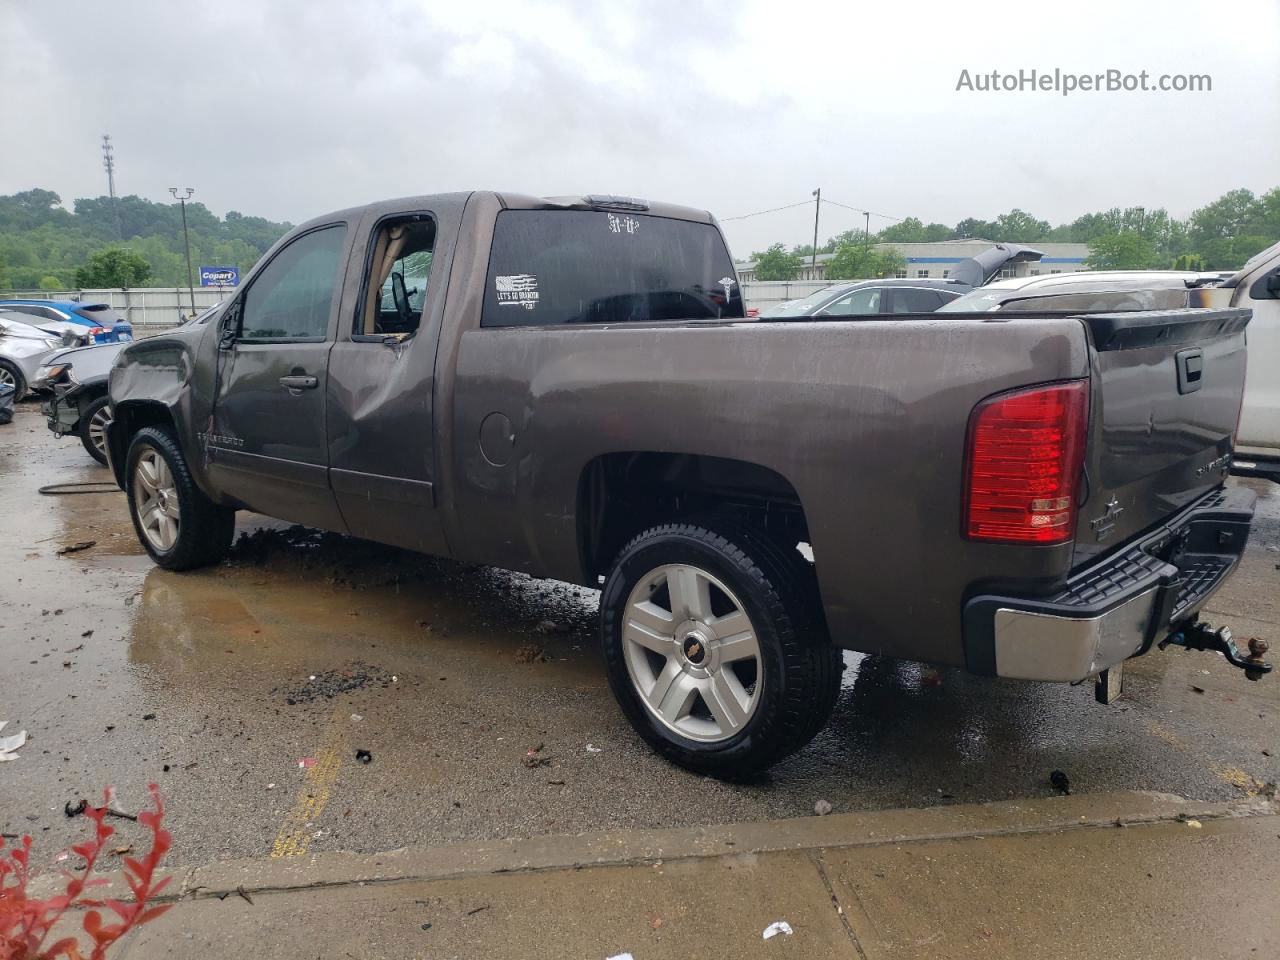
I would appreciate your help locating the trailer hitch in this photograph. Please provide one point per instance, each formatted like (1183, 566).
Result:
(1201, 636)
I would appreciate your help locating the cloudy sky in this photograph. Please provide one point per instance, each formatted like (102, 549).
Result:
(287, 109)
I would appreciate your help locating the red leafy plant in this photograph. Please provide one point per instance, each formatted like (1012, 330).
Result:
(26, 922)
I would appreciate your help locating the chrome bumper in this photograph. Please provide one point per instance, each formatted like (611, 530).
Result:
(1117, 608)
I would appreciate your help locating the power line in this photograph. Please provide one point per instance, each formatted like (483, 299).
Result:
(802, 203)
(861, 210)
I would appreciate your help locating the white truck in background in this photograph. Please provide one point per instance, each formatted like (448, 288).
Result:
(1257, 286)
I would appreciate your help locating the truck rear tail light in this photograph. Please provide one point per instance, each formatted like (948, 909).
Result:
(1022, 471)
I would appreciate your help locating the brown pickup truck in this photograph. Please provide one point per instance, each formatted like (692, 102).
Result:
(569, 387)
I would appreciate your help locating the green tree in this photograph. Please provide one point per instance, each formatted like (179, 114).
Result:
(1018, 226)
(1126, 250)
(1188, 261)
(113, 267)
(853, 261)
(777, 264)
(50, 283)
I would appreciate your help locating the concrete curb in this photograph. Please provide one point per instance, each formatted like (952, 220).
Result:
(427, 862)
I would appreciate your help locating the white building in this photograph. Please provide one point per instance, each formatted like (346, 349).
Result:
(935, 260)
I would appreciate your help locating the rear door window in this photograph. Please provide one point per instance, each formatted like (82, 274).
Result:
(587, 266)
(856, 304)
(914, 300)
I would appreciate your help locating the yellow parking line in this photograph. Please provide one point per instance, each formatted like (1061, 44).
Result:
(296, 830)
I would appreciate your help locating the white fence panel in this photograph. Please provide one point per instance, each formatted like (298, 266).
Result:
(762, 294)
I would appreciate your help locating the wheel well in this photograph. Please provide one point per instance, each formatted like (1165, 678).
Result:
(621, 494)
(128, 418)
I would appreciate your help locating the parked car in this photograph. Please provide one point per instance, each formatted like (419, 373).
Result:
(77, 378)
(589, 403)
(1092, 291)
(23, 348)
(1257, 287)
(103, 323)
(869, 297)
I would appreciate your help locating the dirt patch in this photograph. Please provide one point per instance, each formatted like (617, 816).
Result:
(333, 683)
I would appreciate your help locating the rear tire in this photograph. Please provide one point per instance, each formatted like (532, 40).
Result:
(92, 428)
(176, 523)
(738, 678)
(10, 374)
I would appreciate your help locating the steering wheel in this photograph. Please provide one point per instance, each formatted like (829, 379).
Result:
(401, 297)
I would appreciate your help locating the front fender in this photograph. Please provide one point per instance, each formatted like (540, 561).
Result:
(158, 382)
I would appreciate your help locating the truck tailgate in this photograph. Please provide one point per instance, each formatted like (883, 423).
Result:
(1165, 401)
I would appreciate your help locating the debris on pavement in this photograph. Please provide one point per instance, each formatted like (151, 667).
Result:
(332, 683)
(77, 547)
(551, 626)
(306, 763)
(1058, 780)
(148, 716)
(244, 895)
(778, 927)
(533, 761)
(1194, 824)
(364, 756)
(474, 910)
(530, 653)
(10, 745)
(356, 718)
(822, 808)
(592, 748)
(622, 956)
(121, 851)
(70, 809)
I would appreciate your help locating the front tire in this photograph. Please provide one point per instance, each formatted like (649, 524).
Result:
(93, 428)
(176, 523)
(714, 647)
(12, 376)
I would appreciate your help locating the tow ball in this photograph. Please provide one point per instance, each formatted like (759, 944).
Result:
(1201, 636)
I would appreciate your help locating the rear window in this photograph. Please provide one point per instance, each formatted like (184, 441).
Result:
(579, 266)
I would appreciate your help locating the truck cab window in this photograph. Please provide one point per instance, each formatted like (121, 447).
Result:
(577, 266)
(291, 298)
(399, 270)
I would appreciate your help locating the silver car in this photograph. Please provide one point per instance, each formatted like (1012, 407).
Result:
(24, 347)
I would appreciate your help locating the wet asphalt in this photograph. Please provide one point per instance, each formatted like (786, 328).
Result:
(246, 690)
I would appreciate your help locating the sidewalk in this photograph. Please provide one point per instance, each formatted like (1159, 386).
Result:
(1040, 879)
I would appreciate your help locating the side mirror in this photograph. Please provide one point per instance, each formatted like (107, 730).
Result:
(229, 327)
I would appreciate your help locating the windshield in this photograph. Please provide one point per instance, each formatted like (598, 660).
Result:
(975, 301)
(799, 308)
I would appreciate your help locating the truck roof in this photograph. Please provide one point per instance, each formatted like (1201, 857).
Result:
(520, 201)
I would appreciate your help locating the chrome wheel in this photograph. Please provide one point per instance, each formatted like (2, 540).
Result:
(7, 379)
(155, 499)
(692, 653)
(98, 429)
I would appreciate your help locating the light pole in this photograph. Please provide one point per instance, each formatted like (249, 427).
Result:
(866, 236)
(813, 259)
(182, 199)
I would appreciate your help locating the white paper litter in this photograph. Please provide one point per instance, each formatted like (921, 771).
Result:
(773, 929)
(10, 745)
(622, 956)
(592, 748)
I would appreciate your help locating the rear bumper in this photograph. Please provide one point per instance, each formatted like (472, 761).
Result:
(1117, 608)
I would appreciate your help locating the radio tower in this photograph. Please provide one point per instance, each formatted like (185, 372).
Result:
(109, 164)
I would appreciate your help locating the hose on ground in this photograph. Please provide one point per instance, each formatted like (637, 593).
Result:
(89, 486)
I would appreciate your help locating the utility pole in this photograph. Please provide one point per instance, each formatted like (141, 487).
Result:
(182, 198)
(813, 259)
(866, 235)
(109, 164)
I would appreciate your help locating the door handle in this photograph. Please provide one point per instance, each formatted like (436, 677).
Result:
(300, 382)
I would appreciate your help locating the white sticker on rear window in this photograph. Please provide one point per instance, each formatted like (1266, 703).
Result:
(517, 290)
(619, 224)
